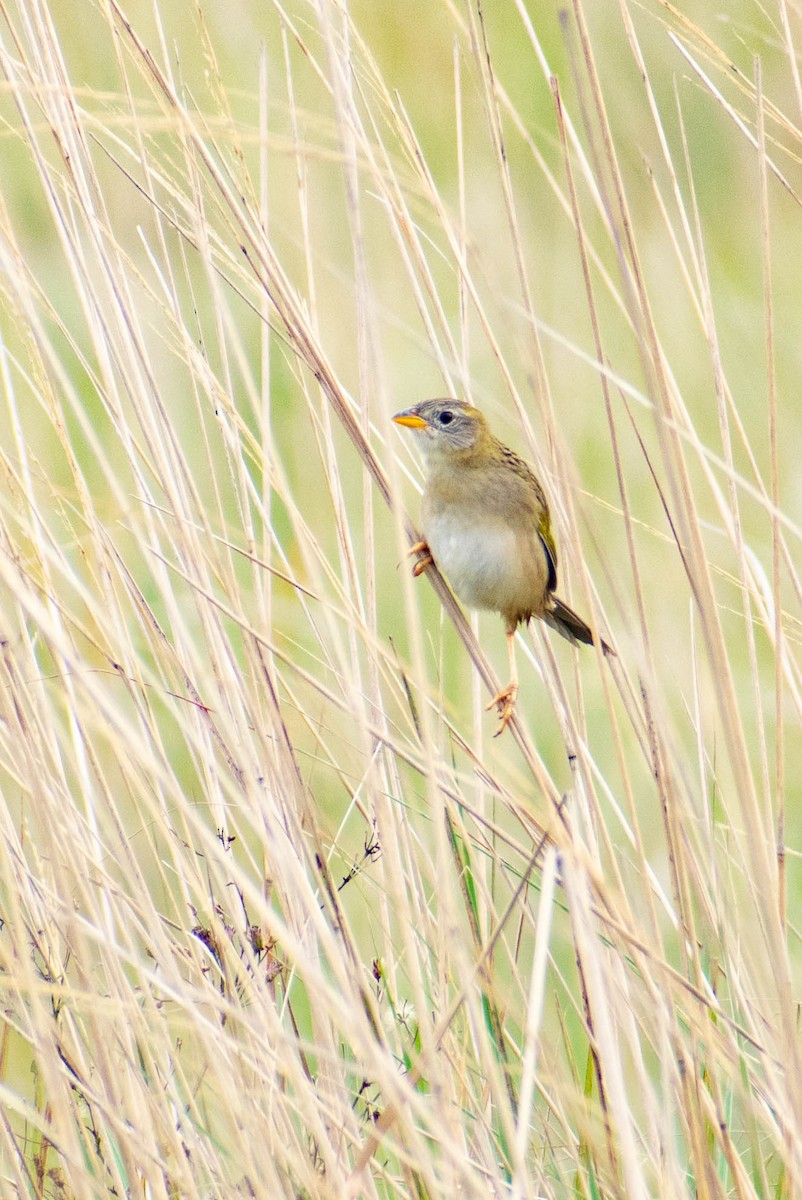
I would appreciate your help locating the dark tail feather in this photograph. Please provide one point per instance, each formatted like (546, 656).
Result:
(564, 621)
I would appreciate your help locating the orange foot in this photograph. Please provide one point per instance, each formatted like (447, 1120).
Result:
(424, 563)
(505, 703)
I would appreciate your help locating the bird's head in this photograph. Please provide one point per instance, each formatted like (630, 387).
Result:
(445, 427)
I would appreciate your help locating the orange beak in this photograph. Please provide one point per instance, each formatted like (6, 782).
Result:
(410, 418)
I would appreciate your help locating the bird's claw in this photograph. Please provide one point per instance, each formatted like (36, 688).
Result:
(505, 703)
(424, 563)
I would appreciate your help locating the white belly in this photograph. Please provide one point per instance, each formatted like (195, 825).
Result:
(487, 566)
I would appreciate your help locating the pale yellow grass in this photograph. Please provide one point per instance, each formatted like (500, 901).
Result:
(280, 917)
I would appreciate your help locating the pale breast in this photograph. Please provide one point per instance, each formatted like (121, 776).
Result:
(488, 563)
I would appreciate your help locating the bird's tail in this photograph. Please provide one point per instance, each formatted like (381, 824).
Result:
(565, 621)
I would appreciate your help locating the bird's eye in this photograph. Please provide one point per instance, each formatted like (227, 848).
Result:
(446, 417)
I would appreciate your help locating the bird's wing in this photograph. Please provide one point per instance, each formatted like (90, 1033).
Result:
(522, 469)
(550, 549)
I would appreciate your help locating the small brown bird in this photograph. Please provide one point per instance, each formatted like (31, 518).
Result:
(486, 525)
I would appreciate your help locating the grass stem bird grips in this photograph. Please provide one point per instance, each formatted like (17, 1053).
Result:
(485, 520)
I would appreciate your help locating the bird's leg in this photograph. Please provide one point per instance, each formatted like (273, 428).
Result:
(505, 700)
(424, 563)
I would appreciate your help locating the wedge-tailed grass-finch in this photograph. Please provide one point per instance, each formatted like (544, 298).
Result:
(485, 521)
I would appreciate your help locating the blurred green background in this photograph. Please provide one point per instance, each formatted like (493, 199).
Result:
(417, 49)
(271, 472)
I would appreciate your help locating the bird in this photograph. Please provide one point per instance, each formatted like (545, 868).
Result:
(486, 525)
